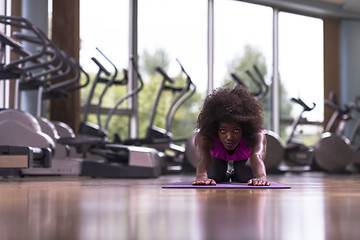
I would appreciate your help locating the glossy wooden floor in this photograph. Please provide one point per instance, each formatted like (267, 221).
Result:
(318, 206)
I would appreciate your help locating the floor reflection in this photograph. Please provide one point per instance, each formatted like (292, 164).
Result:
(301, 217)
(138, 213)
(232, 214)
(316, 207)
(38, 211)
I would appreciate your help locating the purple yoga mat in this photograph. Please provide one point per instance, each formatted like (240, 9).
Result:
(273, 185)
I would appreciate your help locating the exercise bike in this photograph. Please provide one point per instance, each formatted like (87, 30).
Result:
(294, 155)
(332, 152)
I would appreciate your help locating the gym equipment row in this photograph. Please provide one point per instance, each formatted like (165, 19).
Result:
(332, 153)
(33, 145)
(22, 127)
(172, 156)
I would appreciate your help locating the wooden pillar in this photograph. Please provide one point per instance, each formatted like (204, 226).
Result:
(66, 35)
(331, 62)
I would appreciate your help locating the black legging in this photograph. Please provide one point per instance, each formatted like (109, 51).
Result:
(218, 169)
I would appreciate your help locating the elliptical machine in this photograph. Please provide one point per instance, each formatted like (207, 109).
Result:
(117, 160)
(103, 76)
(162, 139)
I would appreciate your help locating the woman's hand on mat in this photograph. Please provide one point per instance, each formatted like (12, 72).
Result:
(262, 181)
(204, 181)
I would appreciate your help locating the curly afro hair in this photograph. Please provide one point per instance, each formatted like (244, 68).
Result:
(230, 105)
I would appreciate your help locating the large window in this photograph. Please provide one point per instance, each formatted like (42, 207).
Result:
(301, 72)
(243, 38)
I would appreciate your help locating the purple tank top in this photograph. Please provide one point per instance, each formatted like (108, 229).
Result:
(242, 152)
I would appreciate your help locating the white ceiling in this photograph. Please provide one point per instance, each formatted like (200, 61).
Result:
(349, 9)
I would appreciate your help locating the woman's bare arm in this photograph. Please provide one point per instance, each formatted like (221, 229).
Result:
(257, 157)
(202, 148)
